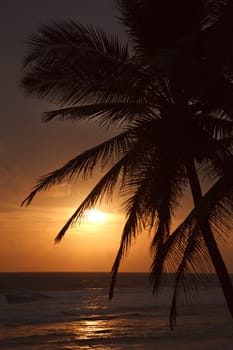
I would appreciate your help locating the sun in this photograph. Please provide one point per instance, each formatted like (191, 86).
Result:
(94, 216)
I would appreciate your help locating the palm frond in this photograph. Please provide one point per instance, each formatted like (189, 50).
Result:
(218, 127)
(216, 207)
(130, 231)
(125, 167)
(82, 164)
(217, 156)
(136, 182)
(172, 93)
(184, 251)
(159, 22)
(104, 188)
(150, 205)
(214, 11)
(136, 219)
(170, 187)
(105, 113)
(184, 256)
(194, 260)
(227, 143)
(63, 58)
(126, 82)
(65, 38)
(216, 39)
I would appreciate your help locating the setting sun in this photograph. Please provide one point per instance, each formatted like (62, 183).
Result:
(94, 215)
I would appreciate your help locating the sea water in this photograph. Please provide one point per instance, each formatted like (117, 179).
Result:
(67, 311)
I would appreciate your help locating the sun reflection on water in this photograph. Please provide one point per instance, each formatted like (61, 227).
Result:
(89, 329)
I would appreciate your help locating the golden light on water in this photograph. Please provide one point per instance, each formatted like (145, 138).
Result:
(92, 329)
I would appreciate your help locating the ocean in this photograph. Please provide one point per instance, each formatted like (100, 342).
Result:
(67, 311)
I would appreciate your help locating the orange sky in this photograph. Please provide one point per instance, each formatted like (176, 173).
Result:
(29, 149)
(27, 242)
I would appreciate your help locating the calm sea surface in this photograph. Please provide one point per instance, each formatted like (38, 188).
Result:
(46, 311)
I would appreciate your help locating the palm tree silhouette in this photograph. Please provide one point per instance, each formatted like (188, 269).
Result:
(170, 95)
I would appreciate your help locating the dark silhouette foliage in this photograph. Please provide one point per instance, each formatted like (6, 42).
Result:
(169, 92)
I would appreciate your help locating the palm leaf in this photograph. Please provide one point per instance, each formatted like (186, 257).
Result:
(184, 251)
(194, 260)
(61, 67)
(62, 60)
(216, 126)
(167, 96)
(159, 22)
(82, 164)
(136, 219)
(150, 205)
(216, 40)
(104, 113)
(65, 38)
(106, 185)
(216, 206)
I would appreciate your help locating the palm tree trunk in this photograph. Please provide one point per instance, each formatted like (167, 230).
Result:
(210, 241)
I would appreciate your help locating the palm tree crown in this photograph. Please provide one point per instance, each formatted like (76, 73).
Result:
(169, 91)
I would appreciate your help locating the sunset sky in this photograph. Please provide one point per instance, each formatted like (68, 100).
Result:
(29, 148)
